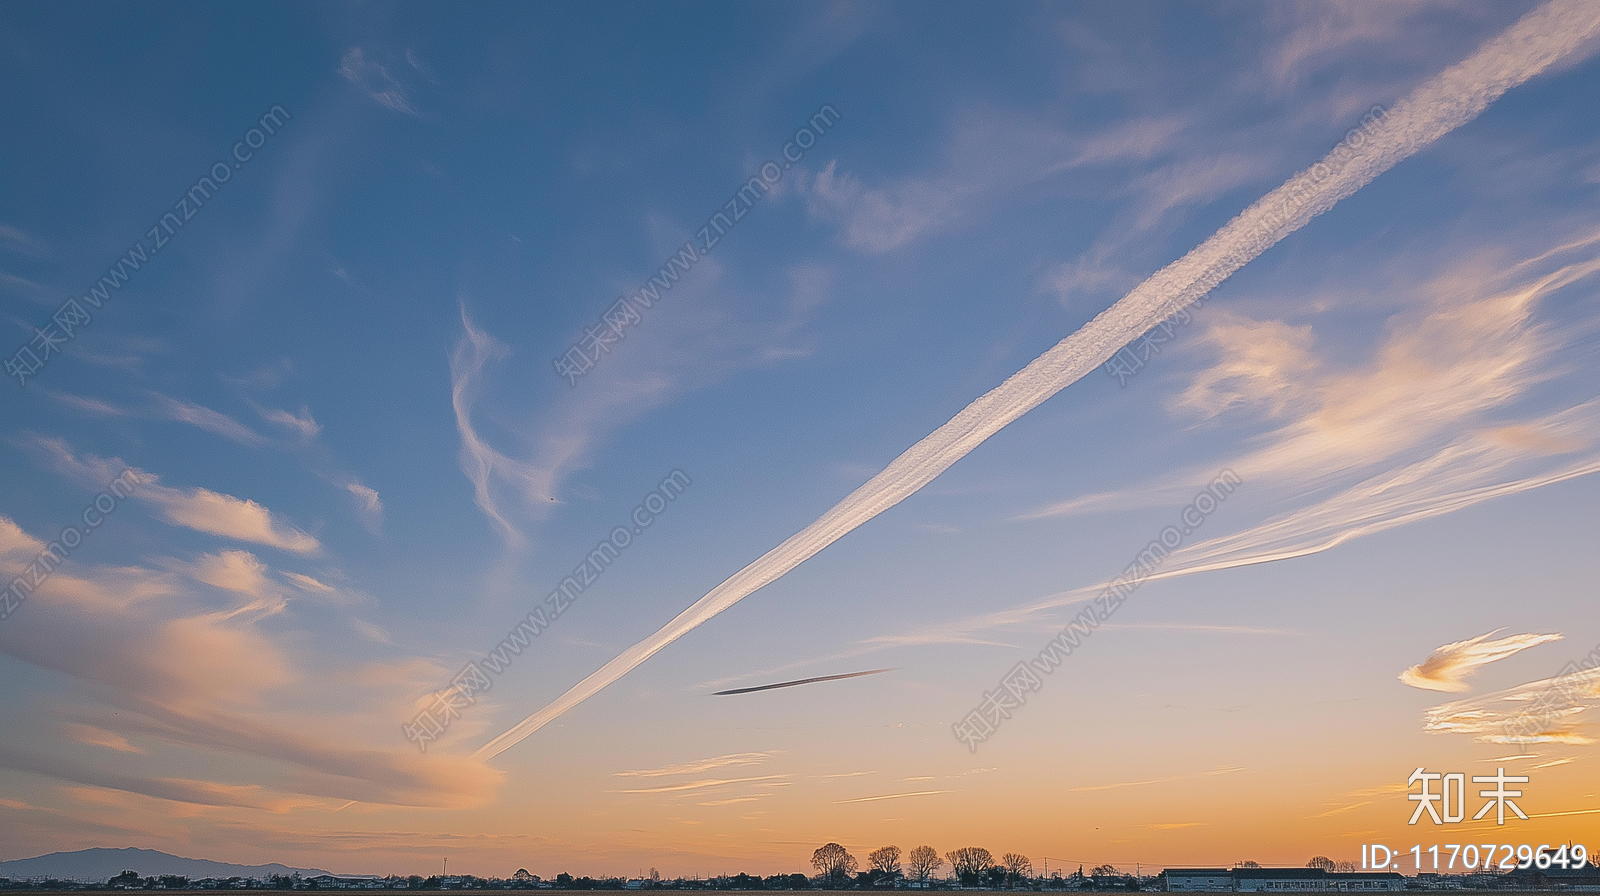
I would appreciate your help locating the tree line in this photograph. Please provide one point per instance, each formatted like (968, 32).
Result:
(972, 866)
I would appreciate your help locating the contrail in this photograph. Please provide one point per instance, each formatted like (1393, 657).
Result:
(1552, 33)
(790, 684)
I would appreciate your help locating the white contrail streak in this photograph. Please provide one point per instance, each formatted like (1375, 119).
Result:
(1547, 35)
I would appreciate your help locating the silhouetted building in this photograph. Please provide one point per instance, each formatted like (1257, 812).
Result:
(1276, 880)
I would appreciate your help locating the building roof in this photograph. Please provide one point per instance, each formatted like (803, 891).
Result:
(1308, 874)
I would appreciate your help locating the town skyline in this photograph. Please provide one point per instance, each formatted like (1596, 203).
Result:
(833, 867)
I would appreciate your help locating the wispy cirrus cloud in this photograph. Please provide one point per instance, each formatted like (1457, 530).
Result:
(738, 799)
(302, 424)
(237, 571)
(205, 418)
(307, 583)
(695, 343)
(892, 796)
(701, 784)
(99, 737)
(990, 154)
(1325, 33)
(879, 219)
(215, 513)
(165, 407)
(376, 81)
(1470, 352)
(15, 239)
(199, 509)
(1447, 668)
(702, 765)
(484, 466)
(1465, 472)
(369, 506)
(1548, 711)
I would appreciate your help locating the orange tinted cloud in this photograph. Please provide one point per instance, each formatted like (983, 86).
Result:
(1448, 666)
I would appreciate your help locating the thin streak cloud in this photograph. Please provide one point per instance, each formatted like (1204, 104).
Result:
(166, 407)
(891, 796)
(701, 785)
(1469, 472)
(704, 765)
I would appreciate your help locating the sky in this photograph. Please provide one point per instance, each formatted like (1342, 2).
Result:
(376, 440)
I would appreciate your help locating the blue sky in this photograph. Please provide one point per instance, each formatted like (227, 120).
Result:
(313, 373)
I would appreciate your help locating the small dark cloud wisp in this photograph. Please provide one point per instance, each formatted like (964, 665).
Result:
(790, 684)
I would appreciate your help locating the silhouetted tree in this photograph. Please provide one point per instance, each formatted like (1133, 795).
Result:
(834, 863)
(886, 859)
(1323, 862)
(969, 862)
(922, 862)
(1017, 867)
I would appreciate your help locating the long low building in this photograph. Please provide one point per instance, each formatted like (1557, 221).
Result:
(1198, 880)
(1277, 880)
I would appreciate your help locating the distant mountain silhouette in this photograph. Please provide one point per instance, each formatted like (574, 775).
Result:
(100, 865)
